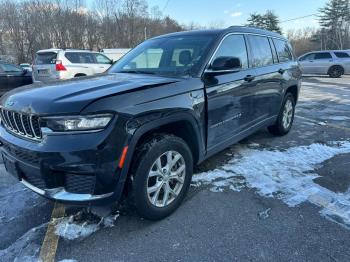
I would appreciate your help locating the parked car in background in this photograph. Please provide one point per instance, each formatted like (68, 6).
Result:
(138, 130)
(26, 66)
(55, 64)
(334, 63)
(12, 76)
(115, 53)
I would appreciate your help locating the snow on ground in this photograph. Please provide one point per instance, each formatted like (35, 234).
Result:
(26, 248)
(82, 225)
(287, 175)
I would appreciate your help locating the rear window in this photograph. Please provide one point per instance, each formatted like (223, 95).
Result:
(80, 58)
(342, 55)
(45, 58)
(283, 52)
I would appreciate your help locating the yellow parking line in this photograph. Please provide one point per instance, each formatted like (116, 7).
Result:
(327, 124)
(49, 246)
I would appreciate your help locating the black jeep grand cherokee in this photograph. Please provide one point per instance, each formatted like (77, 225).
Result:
(139, 129)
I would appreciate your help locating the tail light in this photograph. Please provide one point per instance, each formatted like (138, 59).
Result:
(59, 66)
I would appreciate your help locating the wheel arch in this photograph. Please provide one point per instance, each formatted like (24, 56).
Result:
(182, 125)
(294, 91)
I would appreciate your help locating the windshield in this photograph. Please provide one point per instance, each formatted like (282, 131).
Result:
(169, 56)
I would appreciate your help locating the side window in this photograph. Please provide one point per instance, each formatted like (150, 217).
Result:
(262, 55)
(307, 57)
(283, 52)
(72, 57)
(342, 55)
(101, 59)
(234, 46)
(10, 68)
(80, 58)
(86, 58)
(324, 55)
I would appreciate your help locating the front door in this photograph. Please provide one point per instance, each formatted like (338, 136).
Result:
(307, 64)
(230, 96)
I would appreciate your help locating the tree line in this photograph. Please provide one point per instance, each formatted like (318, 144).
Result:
(28, 26)
(334, 31)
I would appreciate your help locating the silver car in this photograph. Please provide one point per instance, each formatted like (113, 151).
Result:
(55, 64)
(334, 63)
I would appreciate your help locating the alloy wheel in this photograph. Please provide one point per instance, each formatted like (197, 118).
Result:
(166, 178)
(287, 114)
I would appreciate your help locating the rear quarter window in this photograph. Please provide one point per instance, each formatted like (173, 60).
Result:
(342, 55)
(45, 58)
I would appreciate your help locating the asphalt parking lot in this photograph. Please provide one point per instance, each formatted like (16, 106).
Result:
(264, 199)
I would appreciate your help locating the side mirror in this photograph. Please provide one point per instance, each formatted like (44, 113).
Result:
(226, 64)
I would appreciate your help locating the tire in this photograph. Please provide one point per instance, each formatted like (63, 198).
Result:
(336, 71)
(281, 128)
(151, 178)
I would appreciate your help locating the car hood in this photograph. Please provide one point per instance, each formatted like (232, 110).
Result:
(71, 96)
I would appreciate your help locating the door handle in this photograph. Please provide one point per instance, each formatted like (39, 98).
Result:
(281, 71)
(249, 78)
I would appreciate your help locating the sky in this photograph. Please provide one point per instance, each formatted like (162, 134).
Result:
(236, 12)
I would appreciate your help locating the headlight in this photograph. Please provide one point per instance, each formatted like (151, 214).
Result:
(77, 123)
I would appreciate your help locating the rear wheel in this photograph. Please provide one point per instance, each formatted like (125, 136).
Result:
(161, 176)
(336, 71)
(285, 118)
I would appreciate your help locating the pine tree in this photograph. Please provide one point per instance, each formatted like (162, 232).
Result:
(334, 19)
(268, 21)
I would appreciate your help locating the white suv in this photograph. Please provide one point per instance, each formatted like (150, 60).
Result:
(54, 64)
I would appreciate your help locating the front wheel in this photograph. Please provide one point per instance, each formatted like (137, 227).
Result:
(161, 176)
(285, 118)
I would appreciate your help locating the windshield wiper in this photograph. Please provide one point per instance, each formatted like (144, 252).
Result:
(137, 72)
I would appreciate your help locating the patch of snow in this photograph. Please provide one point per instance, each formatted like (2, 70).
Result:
(26, 248)
(67, 229)
(71, 228)
(322, 123)
(264, 214)
(68, 260)
(287, 175)
(339, 118)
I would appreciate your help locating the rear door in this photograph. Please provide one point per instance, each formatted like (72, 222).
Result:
(81, 63)
(230, 96)
(322, 62)
(267, 92)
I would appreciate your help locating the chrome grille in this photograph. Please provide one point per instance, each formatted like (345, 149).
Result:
(21, 124)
